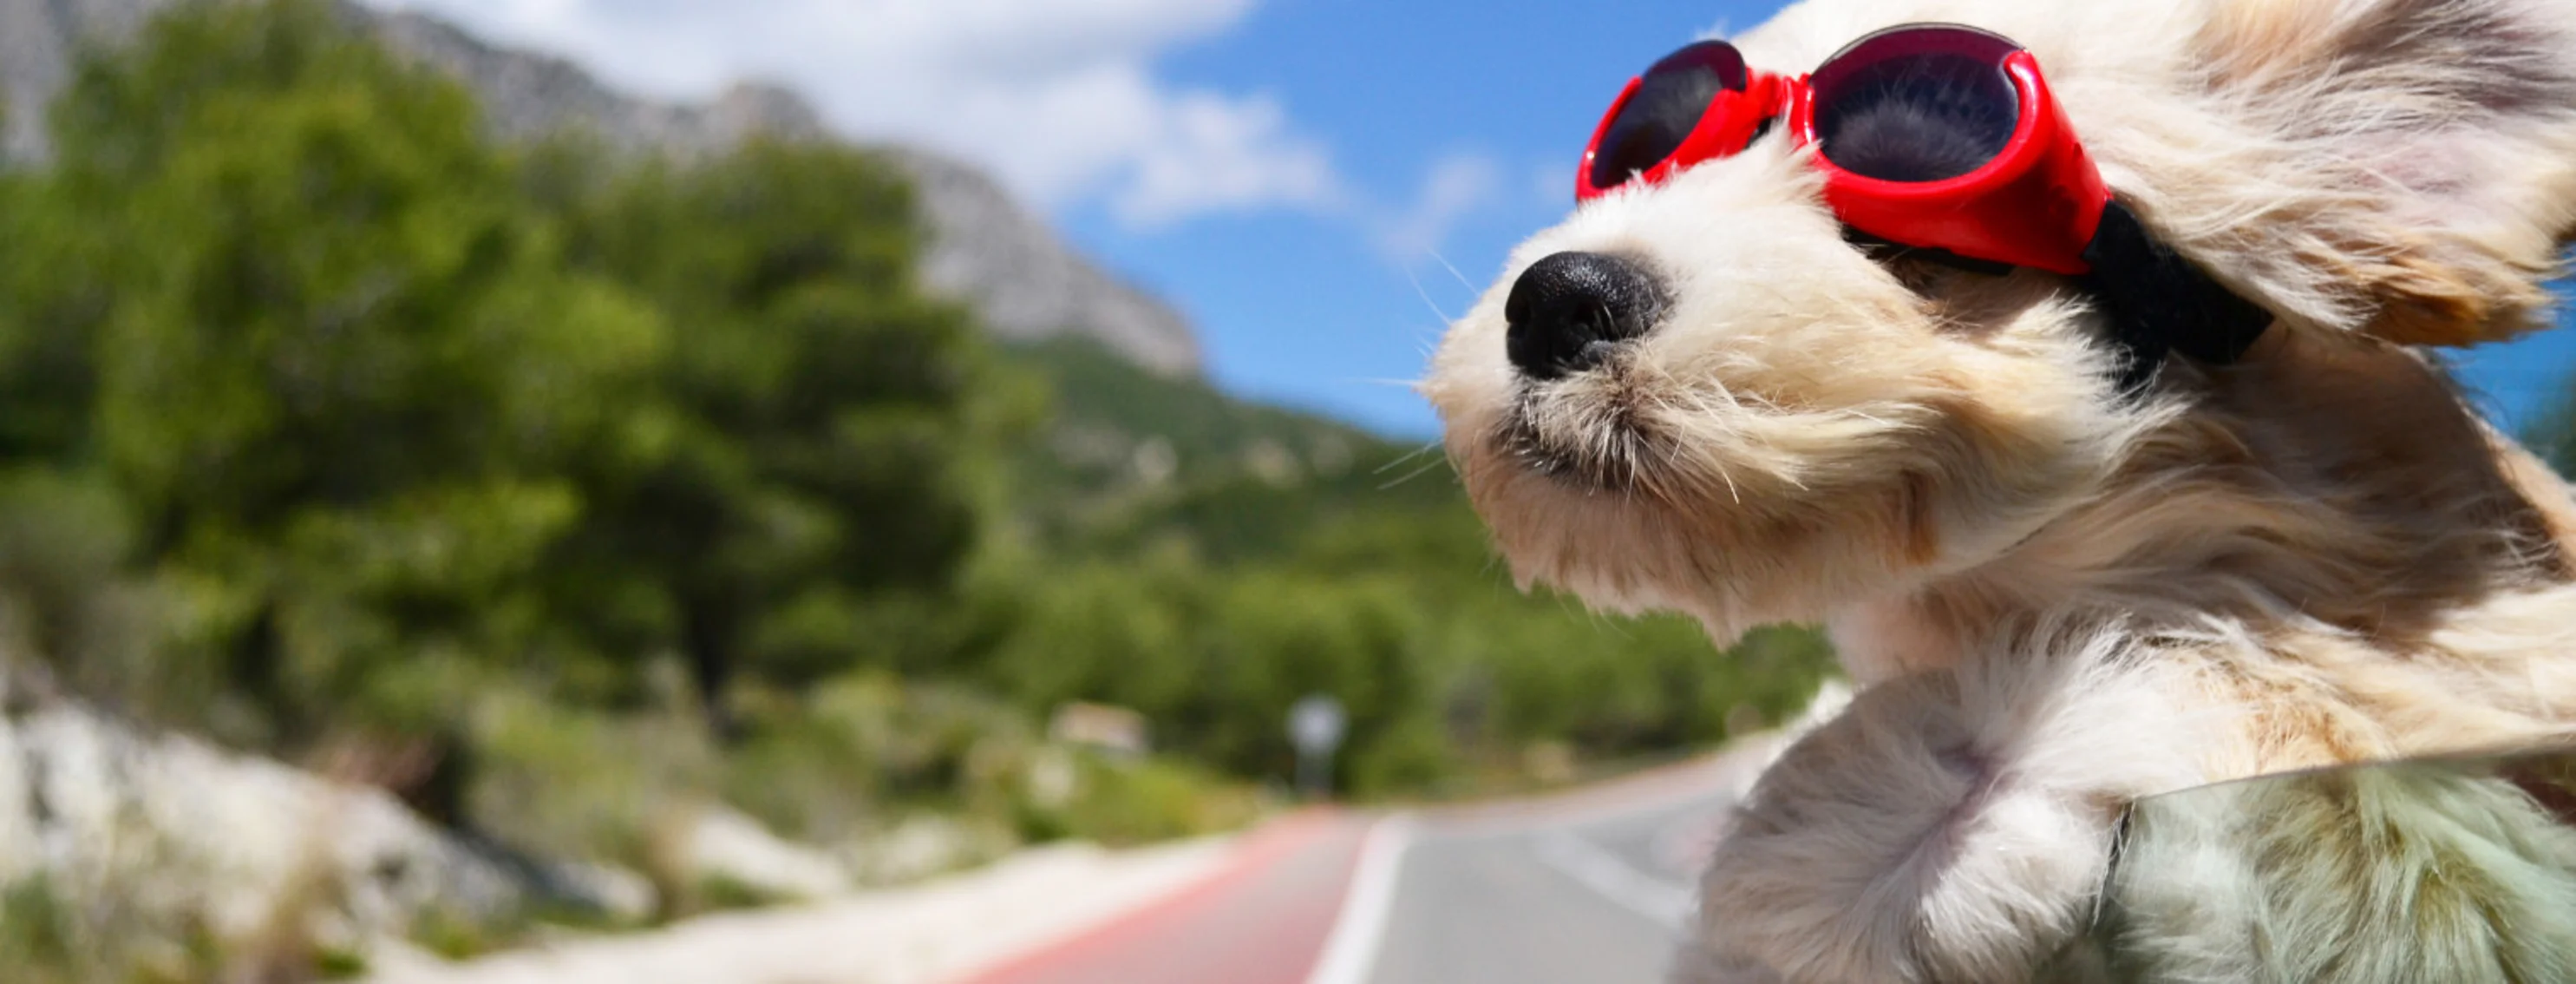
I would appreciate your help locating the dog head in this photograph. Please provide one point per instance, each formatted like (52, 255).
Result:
(1698, 394)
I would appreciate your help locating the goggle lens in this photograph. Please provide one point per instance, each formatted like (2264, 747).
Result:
(1916, 104)
(1666, 107)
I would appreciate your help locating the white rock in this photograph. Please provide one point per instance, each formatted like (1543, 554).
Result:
(726, 844)
(169, 825)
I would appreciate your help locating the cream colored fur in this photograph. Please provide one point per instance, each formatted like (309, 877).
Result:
(1987, 799)
(2058, 600)
(2400, 873)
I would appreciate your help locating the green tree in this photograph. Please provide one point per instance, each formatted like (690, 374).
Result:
(832, 445)
(336, 367)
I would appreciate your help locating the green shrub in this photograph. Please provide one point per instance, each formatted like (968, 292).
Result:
(581, 783)
(1139, 801)
(51, 934)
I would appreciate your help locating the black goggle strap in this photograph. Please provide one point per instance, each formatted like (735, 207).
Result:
(2161, 303)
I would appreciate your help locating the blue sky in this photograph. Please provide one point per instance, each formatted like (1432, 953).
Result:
(1315, 183)
(1478, 106)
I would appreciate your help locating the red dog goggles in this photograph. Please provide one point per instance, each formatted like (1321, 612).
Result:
(1932, 136)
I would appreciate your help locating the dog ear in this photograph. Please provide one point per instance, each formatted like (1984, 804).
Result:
(2404, 167)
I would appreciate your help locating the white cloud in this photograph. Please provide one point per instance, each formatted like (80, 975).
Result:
(1056, 97)
(1456, 187)
(1213, 154)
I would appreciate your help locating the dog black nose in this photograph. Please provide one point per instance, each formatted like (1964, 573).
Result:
(1567, 311)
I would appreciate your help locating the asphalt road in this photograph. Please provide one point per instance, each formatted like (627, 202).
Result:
(1595, 888)
(1591, 886)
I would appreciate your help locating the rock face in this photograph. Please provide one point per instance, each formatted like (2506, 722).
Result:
(39, 40)
(177, 829)
(527, 94)
(986, 250)
(1023, 282)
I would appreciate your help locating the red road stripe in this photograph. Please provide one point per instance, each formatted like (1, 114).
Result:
(1262, 919)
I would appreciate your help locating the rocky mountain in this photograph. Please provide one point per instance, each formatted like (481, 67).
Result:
(987, 250)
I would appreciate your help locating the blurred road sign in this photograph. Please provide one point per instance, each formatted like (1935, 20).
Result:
(1315, 726)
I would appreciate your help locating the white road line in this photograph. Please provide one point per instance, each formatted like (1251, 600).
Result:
(1351, 951)
(1661, 902)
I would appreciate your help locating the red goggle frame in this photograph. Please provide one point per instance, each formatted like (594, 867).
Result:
(1930, 135)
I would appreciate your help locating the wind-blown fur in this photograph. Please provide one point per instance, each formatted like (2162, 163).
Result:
(2399, 873)
(2060, 600)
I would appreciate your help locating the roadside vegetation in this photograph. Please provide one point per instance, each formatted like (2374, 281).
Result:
(569, 494)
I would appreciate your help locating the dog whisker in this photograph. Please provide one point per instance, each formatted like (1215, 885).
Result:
(1416, 280)
(1410, 476)
(1453, 271)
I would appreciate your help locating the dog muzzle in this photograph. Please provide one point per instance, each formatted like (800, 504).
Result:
(1941, 139)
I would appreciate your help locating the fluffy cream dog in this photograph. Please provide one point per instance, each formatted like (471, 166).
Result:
(2060, 598)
